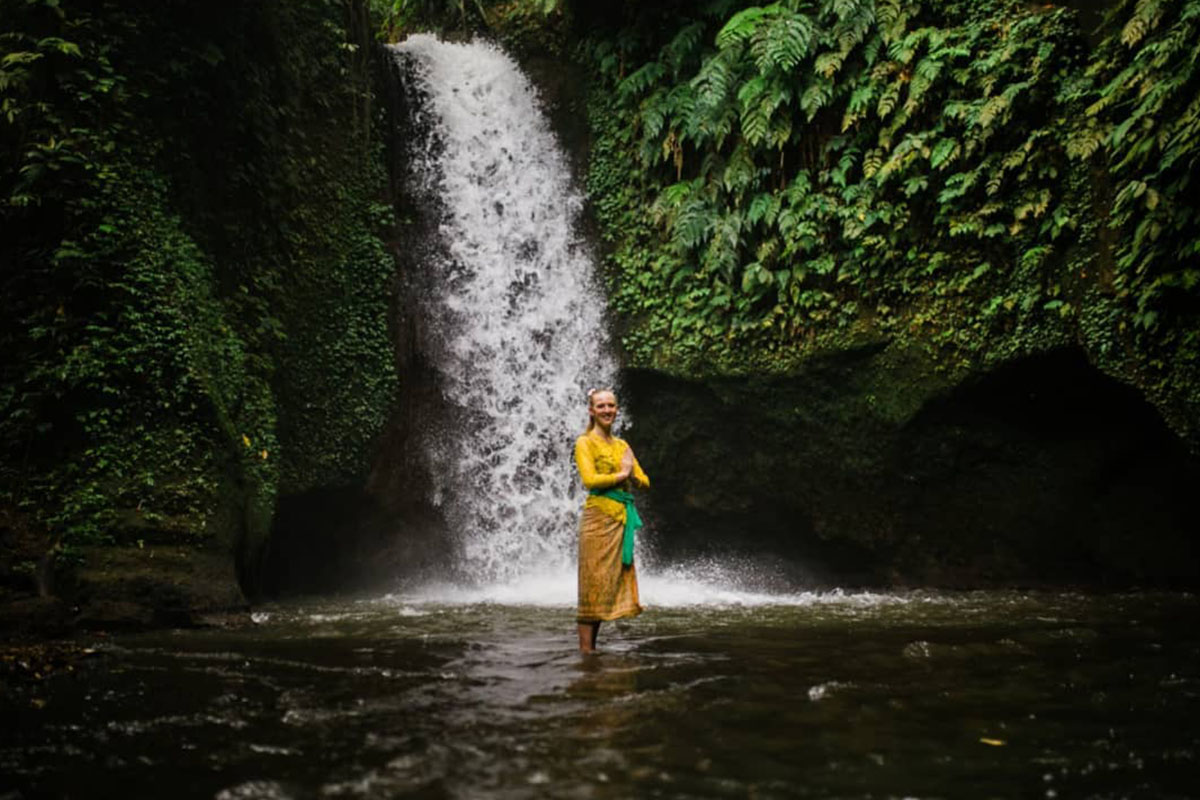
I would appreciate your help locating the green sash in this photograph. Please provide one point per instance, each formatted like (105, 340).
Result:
(632, 520)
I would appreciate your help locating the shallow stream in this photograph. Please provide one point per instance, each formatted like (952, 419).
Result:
(987, 694)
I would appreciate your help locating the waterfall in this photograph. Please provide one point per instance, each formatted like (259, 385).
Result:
(512, 318)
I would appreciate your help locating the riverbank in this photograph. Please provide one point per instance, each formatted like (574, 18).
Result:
(50, 592)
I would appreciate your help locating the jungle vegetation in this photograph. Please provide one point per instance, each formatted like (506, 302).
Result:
(980, 179)
(195, 284)
(972, 177)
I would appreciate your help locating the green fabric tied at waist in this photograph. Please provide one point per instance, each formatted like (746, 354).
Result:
(632, 520)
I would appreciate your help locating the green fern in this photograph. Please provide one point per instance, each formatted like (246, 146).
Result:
(742, 26)
(944, 153)
(782, 41)
(683, 48)
(816, 96)
(858, 104)
(1145, 18)
(828, 64)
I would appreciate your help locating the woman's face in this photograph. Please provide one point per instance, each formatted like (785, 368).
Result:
(603, 408)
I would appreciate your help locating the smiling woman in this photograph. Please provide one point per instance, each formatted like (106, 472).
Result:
(607, 577)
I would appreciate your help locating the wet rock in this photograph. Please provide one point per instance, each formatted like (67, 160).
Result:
(875, 467)
(48, 592)
(24, 617)
(123, 588)
(116, 615)
(355, 538)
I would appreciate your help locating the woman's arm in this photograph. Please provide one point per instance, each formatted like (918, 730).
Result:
(639, 478)
(587, 468)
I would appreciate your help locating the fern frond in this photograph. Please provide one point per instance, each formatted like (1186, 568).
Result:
(722, 126)
(683, 47)
(756, 121)
(1146, 16)
(892, 19)
(764, 208)
(712, 83)
(640, 80)
(924, 76)
(852, 28)
(741, 26)
(654, 113)
(752, 90)
(944, 153)
(904, 50)
(860, 101)
(1083, 144)
(870, 51)
(692, 223)
(740, 170)
(990, 111)
(872, 162)
(887, 12)
(681, 101)
(828, 64)
(888, 99)
(846, 8)
(816, 96)
(783, 41)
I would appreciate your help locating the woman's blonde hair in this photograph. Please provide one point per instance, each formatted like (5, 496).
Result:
(591, 423)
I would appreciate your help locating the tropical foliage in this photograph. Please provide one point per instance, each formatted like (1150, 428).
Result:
(465, 15)
(778, 178)
(1141, 123)
(195, 287)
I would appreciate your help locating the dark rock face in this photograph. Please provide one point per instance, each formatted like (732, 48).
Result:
(866, 468)
(126, 589)
(353, 539)
(1055, 472)
(131, 588)
(373, 534)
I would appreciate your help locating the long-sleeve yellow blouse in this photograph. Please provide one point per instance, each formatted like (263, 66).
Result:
(598, 463)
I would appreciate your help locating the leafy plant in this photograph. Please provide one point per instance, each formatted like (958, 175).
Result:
(1141, 124)
(965, 177)
(195, 317)
(828, 158)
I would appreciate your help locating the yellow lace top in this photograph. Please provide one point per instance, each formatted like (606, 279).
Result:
(598, 462)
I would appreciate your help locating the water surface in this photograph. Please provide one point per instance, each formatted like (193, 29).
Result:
(991, 694)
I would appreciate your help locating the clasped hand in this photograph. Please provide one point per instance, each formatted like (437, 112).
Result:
(626, 465)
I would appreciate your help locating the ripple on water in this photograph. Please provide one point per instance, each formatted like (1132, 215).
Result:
(256, 790)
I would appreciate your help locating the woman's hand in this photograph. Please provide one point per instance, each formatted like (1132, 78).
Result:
(626, 465)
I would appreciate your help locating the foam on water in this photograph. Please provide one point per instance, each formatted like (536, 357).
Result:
(699, 583)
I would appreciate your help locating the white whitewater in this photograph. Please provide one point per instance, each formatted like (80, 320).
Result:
(517, 321)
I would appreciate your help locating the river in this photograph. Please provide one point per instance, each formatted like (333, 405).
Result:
(849, 695)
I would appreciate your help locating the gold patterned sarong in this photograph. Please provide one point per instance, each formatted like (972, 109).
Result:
(607, 590)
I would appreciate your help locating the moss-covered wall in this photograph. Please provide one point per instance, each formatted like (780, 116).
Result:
(195, 288)
(971, 178)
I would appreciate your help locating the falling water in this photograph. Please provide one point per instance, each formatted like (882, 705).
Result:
(514, 321)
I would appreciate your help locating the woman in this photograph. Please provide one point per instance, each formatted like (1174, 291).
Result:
(607, 578)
